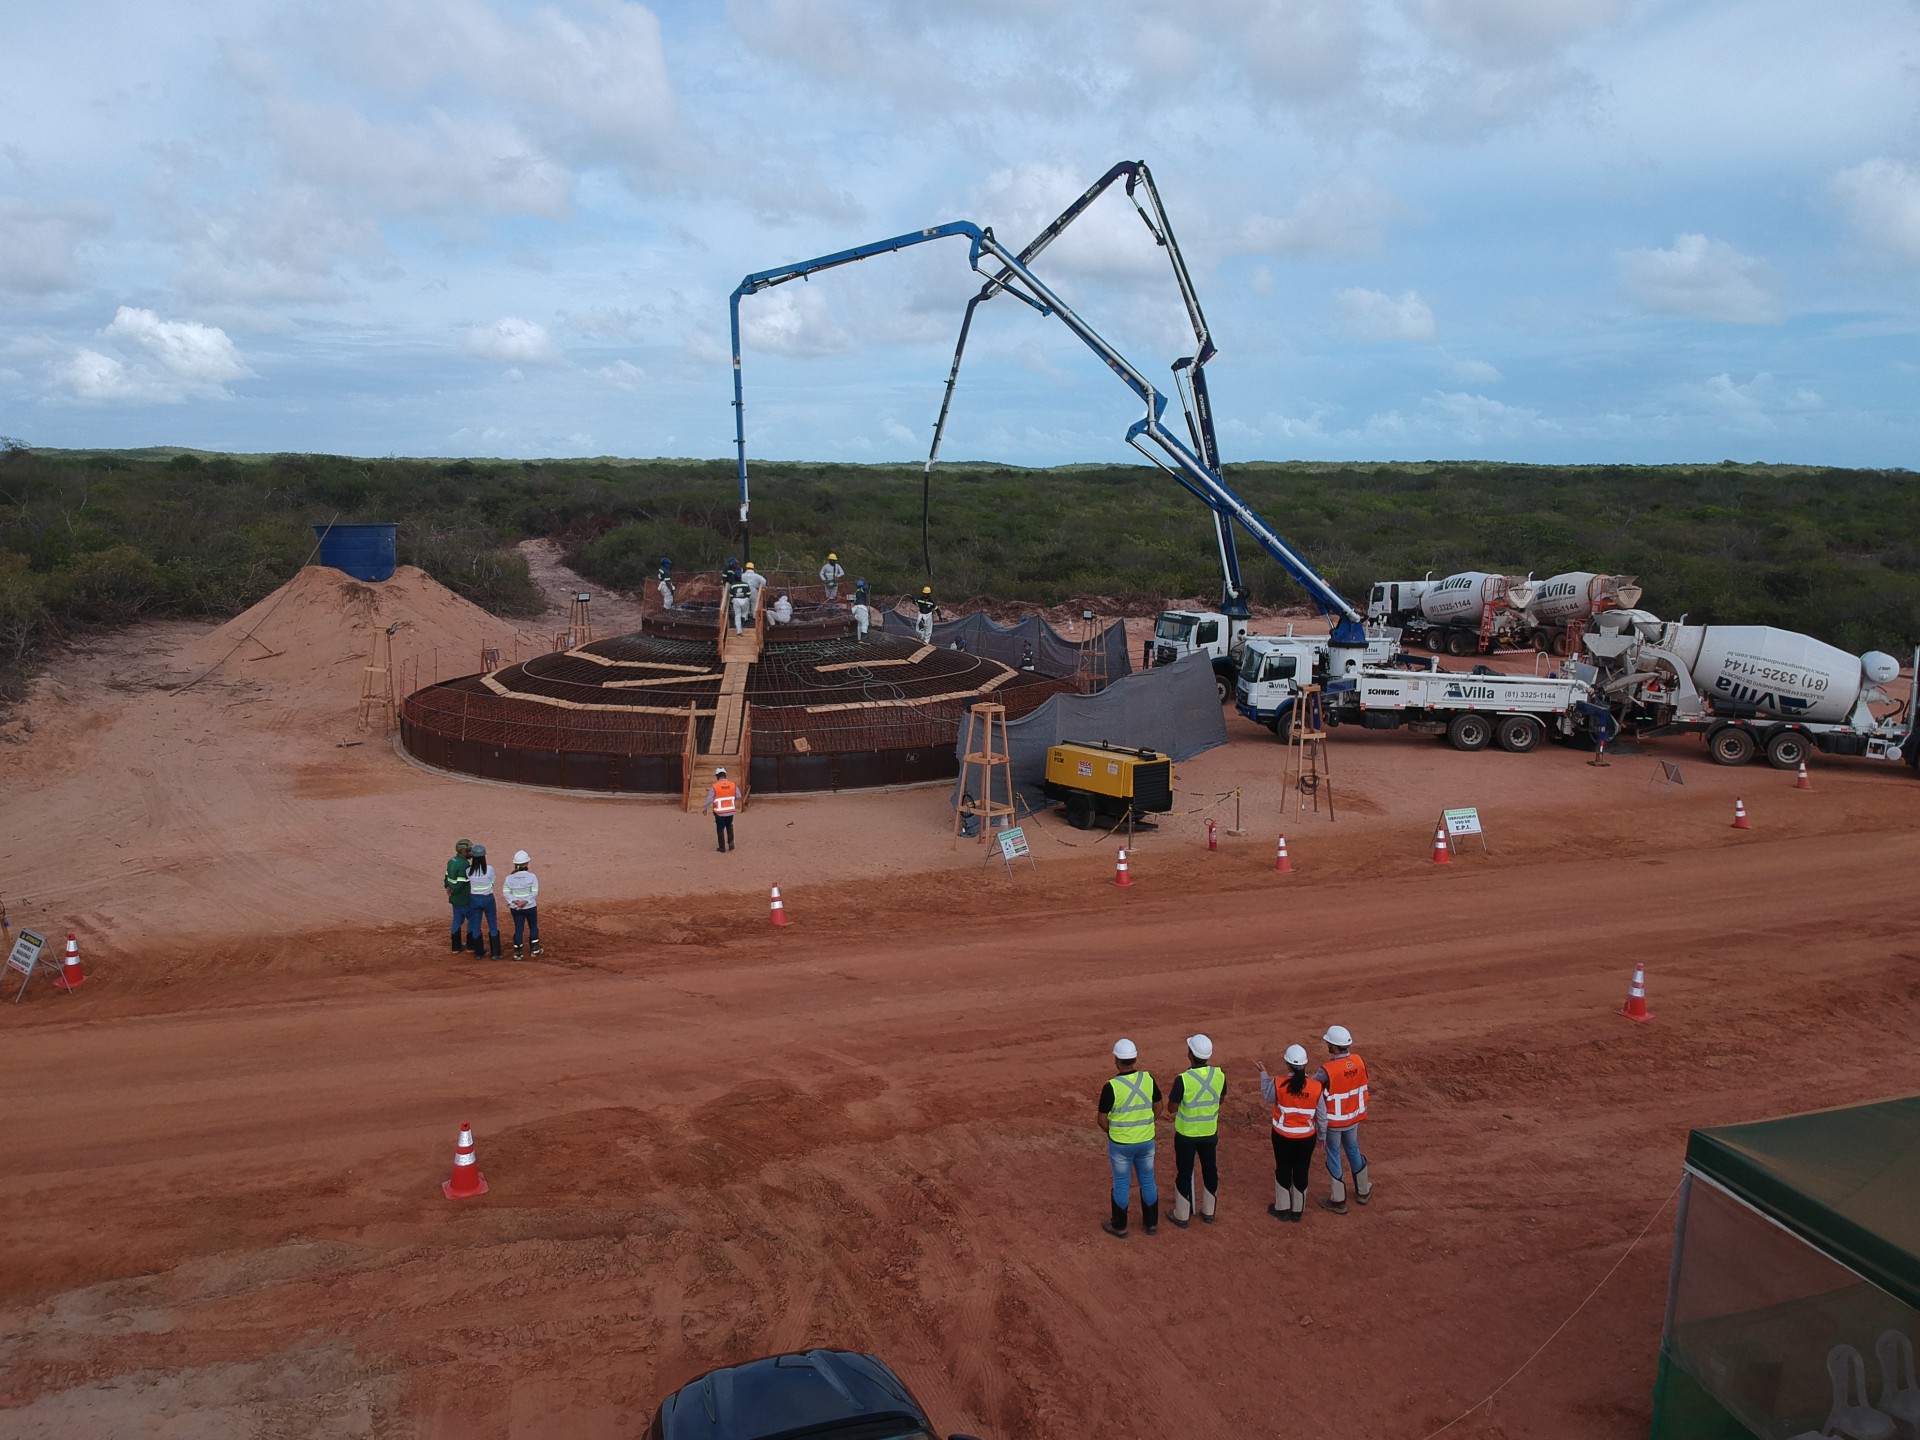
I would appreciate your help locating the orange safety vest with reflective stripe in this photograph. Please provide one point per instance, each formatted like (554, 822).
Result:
(725, 797)
(1293, 1114)
(1346, 1091)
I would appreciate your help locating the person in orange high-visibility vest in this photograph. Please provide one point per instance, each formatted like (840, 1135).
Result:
(1345, 1076)
(723, 798)
(1299, 1119)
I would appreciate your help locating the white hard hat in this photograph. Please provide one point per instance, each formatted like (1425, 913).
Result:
(1296, 1055)
(1201, 1047)
(1124, 1049)
(520, 857)
(1338, 1035)
(720, 773)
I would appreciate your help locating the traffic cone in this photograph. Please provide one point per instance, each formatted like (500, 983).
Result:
(779, 912)
(1281, 864)
(1636, 1007)
(466, 1179)
(1803, 783)
(1442, 854)
(1120, 875)
(71, 976)
(1740, 815)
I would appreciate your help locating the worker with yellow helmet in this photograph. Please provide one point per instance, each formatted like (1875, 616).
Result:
(831, 575)
(923, 622)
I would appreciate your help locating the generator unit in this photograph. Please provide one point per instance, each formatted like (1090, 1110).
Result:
(1112, 781)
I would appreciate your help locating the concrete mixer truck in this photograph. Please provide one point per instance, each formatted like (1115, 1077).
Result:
(1751, 690)
(1464, 614)
(1564, 604)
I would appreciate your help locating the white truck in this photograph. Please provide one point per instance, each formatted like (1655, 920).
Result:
(1515, 711)
(1751, 690)
(1472, 612)
(1180, 633)
(1563, 604)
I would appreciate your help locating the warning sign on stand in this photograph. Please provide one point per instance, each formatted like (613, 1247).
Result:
(1460, 823)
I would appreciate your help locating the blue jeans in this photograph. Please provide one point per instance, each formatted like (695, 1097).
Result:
(527, 920)
(1347, 1140)
(486, 907)
(1129, 1161)
(461, 909)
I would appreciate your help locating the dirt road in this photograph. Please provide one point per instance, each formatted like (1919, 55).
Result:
(876, 1130)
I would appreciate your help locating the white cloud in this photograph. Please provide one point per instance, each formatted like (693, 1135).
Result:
(1340, 215)
(622, 375)
(512, 341)
(601, 322)
(1507, 31)
(1475, 372)
(1106, 241)
(791, 320)
(1702, 278)
(1758, 404)
(41, 246)
(1375, 315)
(1881, 199)
(166, 362)
(286, 244)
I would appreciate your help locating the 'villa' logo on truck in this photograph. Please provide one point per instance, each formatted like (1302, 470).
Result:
(1761, 699)
(1457, 582)
(1457, 691)
(1555, 592)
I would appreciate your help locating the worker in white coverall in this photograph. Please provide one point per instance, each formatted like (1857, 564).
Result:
(862, 620)
(522, 889)
(754, 578)
(740, 596)
(781, 612)
(831, 574)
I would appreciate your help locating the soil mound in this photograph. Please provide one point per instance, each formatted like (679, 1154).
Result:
(321, 624)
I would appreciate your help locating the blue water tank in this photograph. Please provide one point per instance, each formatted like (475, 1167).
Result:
(365, 552)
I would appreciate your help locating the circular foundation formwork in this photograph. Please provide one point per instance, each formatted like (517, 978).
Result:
(825, 711)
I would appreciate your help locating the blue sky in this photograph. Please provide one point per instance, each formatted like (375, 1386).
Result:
(1554, 230)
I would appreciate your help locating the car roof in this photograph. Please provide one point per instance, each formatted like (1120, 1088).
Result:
(783, 1397)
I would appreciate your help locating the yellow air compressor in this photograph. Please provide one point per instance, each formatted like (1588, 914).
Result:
(1094, 778)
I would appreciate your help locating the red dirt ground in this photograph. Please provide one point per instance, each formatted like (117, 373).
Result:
(707, 1140)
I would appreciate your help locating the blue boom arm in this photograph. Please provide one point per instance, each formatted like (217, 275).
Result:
(1147, 435)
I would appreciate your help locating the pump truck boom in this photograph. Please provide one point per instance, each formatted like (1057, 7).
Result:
(1195, 471)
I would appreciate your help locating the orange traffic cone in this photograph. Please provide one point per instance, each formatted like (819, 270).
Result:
(466, 1179)
(71, 976)
(1740, 815)
(1281, 864)
(1803, 783)
(779, 911)
(1636, 1007)
(1120, 875)
(1442, 852)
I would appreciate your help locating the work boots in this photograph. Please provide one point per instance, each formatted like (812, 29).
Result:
(1116, 1225)
(1362, 1185)
(536, 949)
(493, 946)
(516, 950)
(1297, 1203)
(1336, 1200)
(1151, 1214)
(1281, 1207)
(1206, 1205)
(477, 946)
(458, 943)
(1182, 1209)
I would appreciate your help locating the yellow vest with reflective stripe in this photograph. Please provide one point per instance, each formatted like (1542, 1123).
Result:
(1131, 1119)
(1199, 1112)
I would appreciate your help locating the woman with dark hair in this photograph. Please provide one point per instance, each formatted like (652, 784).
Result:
(1299, 1119)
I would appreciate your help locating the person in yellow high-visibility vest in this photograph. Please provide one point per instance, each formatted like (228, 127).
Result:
(1127, 1116)
(1194, 1103)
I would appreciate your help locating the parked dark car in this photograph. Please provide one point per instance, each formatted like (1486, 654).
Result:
(816, 1394)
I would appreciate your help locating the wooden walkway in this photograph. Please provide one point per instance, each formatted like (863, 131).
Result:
(730, 746)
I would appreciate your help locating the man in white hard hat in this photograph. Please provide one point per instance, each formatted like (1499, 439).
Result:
(723, 798)
(522, 889)
(1345, 1078)
(1127, 1117)
(831, 574)
(1194, 1104)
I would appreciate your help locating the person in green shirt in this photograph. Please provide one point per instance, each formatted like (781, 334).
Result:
(457, 893)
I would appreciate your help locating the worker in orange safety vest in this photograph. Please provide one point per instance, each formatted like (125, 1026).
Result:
(1299, 1119)
(1345, 1078)
(723, 798)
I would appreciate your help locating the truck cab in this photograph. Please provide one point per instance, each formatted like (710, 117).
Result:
(1179, 633)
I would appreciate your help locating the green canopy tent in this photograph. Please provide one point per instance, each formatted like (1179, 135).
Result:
(1794, 1304)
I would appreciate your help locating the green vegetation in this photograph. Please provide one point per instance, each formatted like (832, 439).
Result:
(103, 539)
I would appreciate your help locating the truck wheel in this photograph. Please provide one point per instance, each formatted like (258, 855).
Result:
(1079, 812)
(1224, 684)
(1461, 642)
(1788, 750)
(1731, 746)
(1563, 644)
(1469, 732)
(1542, 640)
(1519, 733)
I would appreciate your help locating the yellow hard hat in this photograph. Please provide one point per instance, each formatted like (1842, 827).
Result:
(832, 556)
(926, 589)
(749, 564)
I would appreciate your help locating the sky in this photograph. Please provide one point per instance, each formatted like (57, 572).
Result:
(1573, 231)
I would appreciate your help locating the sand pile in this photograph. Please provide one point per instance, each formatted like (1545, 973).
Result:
(317, 631)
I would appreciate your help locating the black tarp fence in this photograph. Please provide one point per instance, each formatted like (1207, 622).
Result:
(1174, 709)
(1031, 642)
